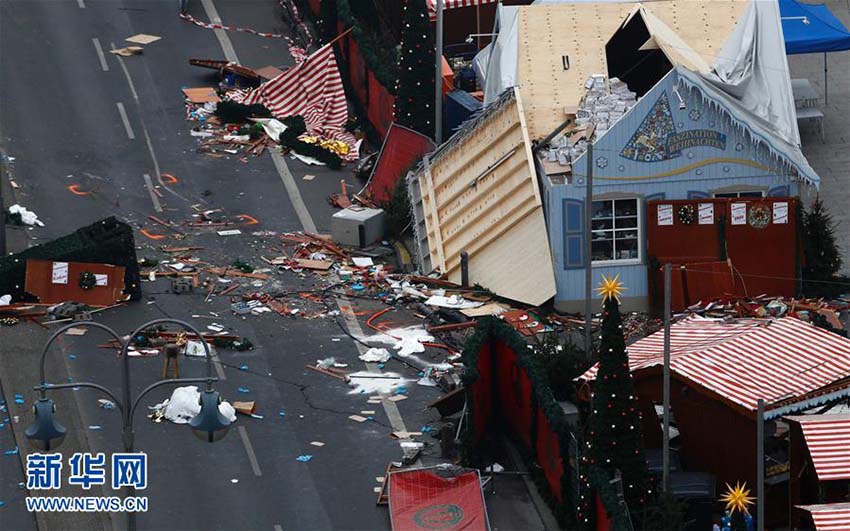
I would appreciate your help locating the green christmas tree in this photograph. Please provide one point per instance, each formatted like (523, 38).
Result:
(414, 103)
(614, 435)
(822, 258)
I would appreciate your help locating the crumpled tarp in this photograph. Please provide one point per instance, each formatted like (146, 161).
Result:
(752, 69)
(184, 404)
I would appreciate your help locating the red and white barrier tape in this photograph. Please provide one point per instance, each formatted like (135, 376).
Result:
(283, 4)
(210, 25)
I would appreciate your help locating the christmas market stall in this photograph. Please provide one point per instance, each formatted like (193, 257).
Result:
(720, 369)
(825, 517)
(675, 132)
(819, 461)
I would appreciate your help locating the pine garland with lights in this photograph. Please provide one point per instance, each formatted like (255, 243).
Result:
(613, 430)
(416, 76)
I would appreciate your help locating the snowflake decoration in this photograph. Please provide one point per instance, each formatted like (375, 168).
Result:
(739, 146)
(695, 114)
(699, 172)
(690, 154)
(621, 168)
(601, 162)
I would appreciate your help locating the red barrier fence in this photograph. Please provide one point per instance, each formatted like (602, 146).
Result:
(758, 235)
(507, 393)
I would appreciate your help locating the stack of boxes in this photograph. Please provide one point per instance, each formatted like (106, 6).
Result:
(604, 103)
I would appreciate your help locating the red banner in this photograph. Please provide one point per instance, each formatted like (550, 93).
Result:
(447, 499)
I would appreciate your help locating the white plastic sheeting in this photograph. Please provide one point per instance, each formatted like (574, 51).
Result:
(752, 69)
(184, 404)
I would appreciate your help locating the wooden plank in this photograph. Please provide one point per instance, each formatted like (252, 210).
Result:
(428, 183)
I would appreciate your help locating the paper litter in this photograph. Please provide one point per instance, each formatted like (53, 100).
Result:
(375, 355)
(28, 217)
(374, 382)
(455, 301)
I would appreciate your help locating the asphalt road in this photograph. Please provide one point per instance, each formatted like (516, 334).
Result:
(62, 114)
(61, 121)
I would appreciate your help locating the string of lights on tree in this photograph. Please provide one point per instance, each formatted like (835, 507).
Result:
(415, 85)
(613, 435)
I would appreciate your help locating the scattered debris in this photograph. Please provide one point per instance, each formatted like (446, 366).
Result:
(127, 51)
(19, 214)
(183, 405)
(143, 38)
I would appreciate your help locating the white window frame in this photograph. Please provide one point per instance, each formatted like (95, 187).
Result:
(638, 228)
(737, 194)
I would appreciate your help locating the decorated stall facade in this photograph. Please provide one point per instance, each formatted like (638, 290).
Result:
(719, 370)
(680, 141)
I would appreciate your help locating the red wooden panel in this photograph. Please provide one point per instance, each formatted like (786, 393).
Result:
(380, 111)
(549, 455)
(39, 282)
(402, 148)
(514, 389)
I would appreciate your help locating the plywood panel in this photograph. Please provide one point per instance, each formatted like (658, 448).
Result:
(580, 30)
(480, 195)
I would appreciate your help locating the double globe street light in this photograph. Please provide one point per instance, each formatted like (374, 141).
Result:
(46, 433)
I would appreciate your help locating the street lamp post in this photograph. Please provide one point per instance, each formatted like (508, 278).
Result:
(46, 433)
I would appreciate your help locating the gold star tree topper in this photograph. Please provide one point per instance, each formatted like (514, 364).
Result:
(610, 288)
(737, 498)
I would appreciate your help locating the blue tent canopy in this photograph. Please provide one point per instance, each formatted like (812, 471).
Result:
(810, 28)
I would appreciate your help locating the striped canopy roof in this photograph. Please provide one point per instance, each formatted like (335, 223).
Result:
(829, 516)
(452, 4)
(777, 360)
(827, 437)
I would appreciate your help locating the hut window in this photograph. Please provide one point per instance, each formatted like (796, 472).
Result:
(736, 195)
(616, 230)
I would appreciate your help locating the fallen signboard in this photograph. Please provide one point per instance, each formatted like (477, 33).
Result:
(443, 497)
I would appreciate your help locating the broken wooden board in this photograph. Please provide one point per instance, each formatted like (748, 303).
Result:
(320, 265)
(268, 72)
(246, 408)
(481, 195)
(201, 95)
(127, 51)
(143, 38)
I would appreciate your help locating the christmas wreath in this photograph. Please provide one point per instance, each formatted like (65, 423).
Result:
(759, 216)
(87, 280)
(687, 214)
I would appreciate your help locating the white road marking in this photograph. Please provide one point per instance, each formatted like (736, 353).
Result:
(130, 134)
(135, 94)
(294, 193)
(246, 442)
(307, 222)
(81, 4)
(221, 35)
(219, 371)
(100, 56)
(154, 197)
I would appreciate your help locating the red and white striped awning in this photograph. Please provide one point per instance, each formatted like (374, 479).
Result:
(829, 516)
(827, 438)
(453, 4)
(747, 360)
(312, 89)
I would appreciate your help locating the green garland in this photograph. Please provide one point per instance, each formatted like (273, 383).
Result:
(379, 57)
(87, 280)
(491, 329)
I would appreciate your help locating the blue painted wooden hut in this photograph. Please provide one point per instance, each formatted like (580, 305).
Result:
(682, 140)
